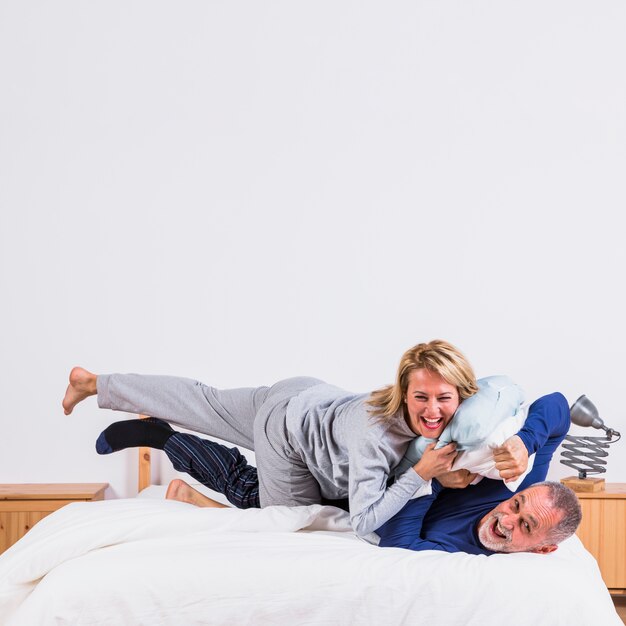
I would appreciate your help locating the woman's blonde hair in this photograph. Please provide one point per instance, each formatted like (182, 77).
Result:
(436, 356)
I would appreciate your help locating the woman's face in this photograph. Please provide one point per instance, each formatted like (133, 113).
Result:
(430, 403)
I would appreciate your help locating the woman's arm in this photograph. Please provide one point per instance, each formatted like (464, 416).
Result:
(372, 502)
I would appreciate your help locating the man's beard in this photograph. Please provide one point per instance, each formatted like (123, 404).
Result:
(489, 539)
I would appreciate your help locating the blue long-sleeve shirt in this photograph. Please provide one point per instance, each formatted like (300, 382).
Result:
(447, 519)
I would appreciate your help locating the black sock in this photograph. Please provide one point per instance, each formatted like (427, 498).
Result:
(151, 432)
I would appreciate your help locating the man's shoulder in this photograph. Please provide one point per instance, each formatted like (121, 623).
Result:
(452, 544)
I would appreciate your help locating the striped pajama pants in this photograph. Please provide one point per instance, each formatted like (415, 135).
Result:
(218, 467)
(222, 469)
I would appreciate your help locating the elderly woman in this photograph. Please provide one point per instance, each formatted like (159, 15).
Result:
(313, 442)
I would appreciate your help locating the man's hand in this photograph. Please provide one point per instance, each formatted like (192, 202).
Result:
(511, 458)
(435, 462)
(457, 479)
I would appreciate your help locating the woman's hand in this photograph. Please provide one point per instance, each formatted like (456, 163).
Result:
(457, 479)
(435, 462)
(511, 458)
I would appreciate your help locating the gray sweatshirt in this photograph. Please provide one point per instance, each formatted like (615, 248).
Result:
(352, 454)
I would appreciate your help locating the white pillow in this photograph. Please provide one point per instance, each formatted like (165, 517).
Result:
(498, 398)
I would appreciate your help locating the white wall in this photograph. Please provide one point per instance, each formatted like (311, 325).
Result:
(244, 191)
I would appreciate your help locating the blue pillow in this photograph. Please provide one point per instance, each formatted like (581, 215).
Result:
(498, 398)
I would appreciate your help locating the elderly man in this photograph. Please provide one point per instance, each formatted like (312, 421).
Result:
(484, 518)
(535, 519)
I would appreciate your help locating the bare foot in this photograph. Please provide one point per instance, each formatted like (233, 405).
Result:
(181, 491)
(82, 385)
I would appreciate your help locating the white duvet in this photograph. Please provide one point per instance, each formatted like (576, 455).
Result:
(153, 562)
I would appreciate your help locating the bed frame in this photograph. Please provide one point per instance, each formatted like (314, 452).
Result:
(145, 469)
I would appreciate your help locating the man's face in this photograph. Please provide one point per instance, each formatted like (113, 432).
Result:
(520, 524)
(430, 402)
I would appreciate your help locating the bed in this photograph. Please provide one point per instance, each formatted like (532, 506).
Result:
(148, 560)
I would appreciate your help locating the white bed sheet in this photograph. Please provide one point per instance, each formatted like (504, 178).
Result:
(145, 561)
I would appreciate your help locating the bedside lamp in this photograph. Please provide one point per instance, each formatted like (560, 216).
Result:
(587, 454)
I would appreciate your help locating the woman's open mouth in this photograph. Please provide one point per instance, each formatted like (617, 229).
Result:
(432, 423)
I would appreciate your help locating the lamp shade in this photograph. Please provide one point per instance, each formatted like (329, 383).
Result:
(584, 413)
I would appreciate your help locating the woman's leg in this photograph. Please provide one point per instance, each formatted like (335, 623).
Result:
(82, 385)
(227, 414)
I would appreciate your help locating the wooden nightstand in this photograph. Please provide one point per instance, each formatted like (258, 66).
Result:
(603, 532)
(22, 506)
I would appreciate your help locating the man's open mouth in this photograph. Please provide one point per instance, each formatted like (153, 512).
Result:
(495, 530)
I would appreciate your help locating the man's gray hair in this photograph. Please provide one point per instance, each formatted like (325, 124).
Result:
(565, 500)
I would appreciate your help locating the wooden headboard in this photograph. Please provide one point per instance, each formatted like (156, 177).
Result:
(145, 473)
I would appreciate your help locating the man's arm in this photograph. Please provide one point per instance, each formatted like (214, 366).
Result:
(547, 423)
(404, 528)
(545, 428)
